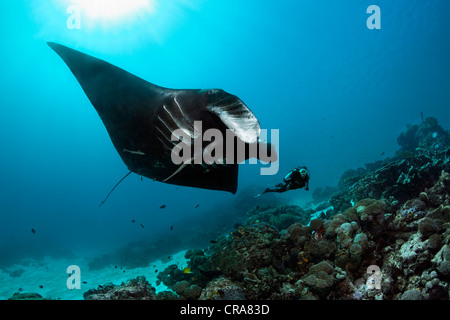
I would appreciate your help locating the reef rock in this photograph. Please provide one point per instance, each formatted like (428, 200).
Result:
(222, 289)
(278, 215)
(320, 278)
(187, 291)
(134, 289)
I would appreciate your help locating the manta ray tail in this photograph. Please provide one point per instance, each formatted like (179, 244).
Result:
(114, 188)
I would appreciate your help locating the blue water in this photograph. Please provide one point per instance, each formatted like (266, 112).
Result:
(339, 93)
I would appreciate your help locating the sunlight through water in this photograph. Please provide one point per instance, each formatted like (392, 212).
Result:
(114, 11)
(121, 25)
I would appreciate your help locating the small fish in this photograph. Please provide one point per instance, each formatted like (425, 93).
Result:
(41, 286)
(171, 228)
(33, 231)
(163, 206)
(84, 282)
(213, 241)
(382, 154)
(115, 267)
(134, 152)
(168, 258)
(156, 270)
(142, 179)
(141, 225)
(196, 206)
(133, 221)
(187, 270)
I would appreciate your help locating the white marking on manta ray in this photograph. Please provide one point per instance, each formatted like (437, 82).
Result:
(204, 165)
(181, 167)
(190, 131)
(165, 137)
(165, 124)
(163, 144)
(182, 113)
(139, 152)
(179, 124)
(193, 131)
(172, 130)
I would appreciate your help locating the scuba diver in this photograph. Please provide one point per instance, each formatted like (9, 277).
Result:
(297, 178)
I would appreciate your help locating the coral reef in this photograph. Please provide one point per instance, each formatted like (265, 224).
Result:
(134, 289)
(279, 215)
(421, 161)
(171, 275)
(387, 238)
(222, 289)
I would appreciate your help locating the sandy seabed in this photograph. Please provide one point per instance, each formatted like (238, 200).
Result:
(51, 274)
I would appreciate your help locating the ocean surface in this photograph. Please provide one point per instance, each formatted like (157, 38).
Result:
(338, 92)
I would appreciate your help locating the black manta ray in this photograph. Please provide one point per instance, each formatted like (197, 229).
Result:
(140, 118)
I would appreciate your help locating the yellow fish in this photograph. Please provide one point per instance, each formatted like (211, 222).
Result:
(187, 270)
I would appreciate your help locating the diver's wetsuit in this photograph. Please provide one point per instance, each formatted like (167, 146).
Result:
(295, 179)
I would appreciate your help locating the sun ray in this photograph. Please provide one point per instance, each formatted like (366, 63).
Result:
(115, 9)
